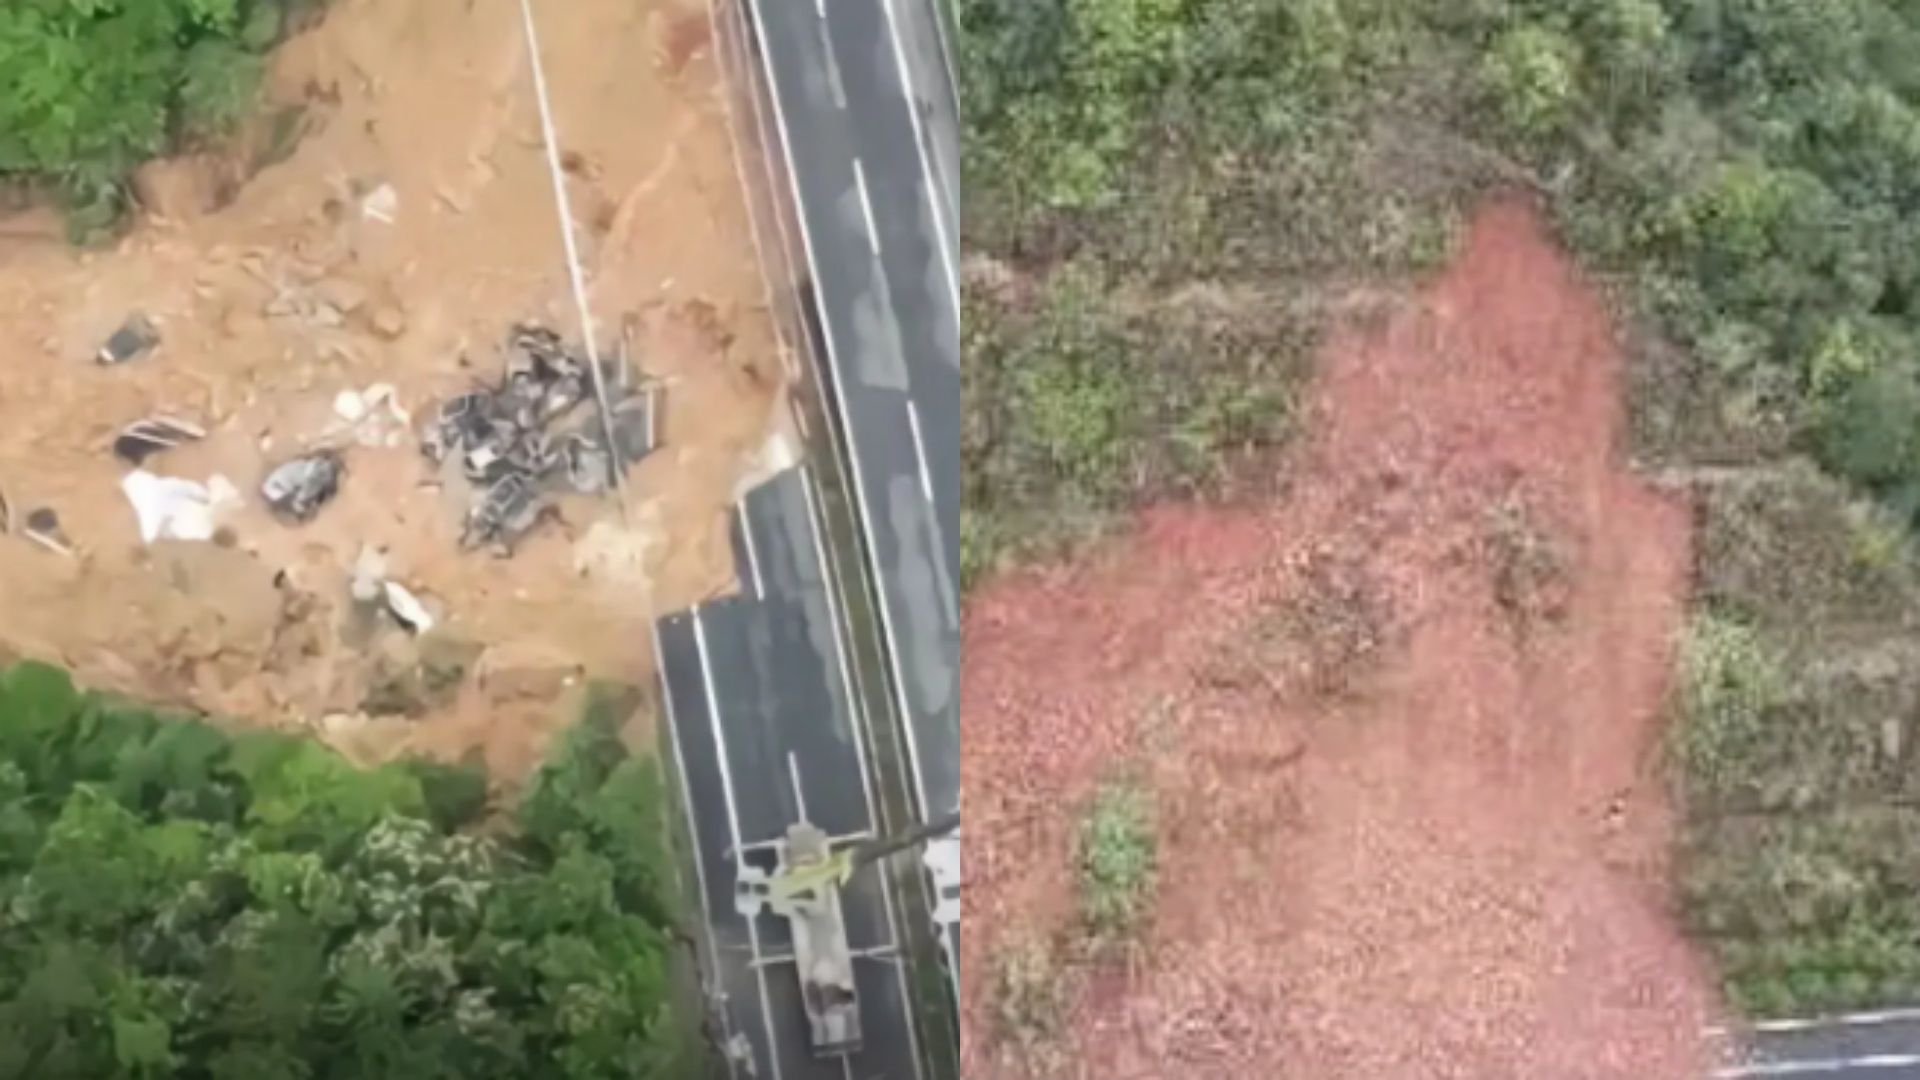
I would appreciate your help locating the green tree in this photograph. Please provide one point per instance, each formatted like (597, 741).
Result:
(177, 901)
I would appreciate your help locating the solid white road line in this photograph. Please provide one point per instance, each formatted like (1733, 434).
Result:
(856, 708)
(1867, 1018)
(920, 452)
(733, 826)
(866, 206)
(906, 717)
(753, 556)
(1817, 1066)
(693, 825)
(946, 47)
(937, 189)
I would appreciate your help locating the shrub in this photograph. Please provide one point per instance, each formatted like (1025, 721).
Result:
(1531, 76)
(1118, 854)
(1728, 683)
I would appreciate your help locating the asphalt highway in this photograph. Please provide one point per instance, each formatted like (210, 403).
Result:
(851, 99)
(759, 713)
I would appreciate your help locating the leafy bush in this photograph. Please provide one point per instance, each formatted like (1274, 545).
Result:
(1810, 913)
(1729, 681)
(1118, 853)
(1531, 75)
(91, 88)
(178, 901)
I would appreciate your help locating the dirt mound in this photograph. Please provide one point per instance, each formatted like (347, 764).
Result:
(1402, 728)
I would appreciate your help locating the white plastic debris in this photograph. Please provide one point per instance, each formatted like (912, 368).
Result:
(374, 415)
(369, 575)
(382, 204)
(408, 609)
(169, 508)
(350, 406)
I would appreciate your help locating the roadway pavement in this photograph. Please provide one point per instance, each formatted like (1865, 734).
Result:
(1883, 1045)
(856, 112)
(760, 719)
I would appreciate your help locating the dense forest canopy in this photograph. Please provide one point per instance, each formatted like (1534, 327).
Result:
(1752, 165)
(177, 900)
(89, 89)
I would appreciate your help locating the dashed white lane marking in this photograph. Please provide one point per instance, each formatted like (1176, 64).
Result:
(835, 85)
(866, 206)
(937, 190)
(733, 827)
(799, 793)
(753, 556)
(920, 451)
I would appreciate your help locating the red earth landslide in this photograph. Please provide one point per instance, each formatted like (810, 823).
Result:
(1402, 727)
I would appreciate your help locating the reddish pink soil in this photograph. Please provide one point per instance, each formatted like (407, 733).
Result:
(1459, 869)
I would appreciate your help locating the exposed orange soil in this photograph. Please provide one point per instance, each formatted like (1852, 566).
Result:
(436, 100)
(1437, 850)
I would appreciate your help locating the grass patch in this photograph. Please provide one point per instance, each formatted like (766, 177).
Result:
(1180, 195)
(1118, 862)
(1731, 683)
(1030, 984)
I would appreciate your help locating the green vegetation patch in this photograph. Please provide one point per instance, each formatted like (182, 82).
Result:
(89, 89)
(1798, 689)
(1165, 199)
(1074, 405)
(176, 900)
(1118, 855)
(1748, 172)
(1031, 983)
